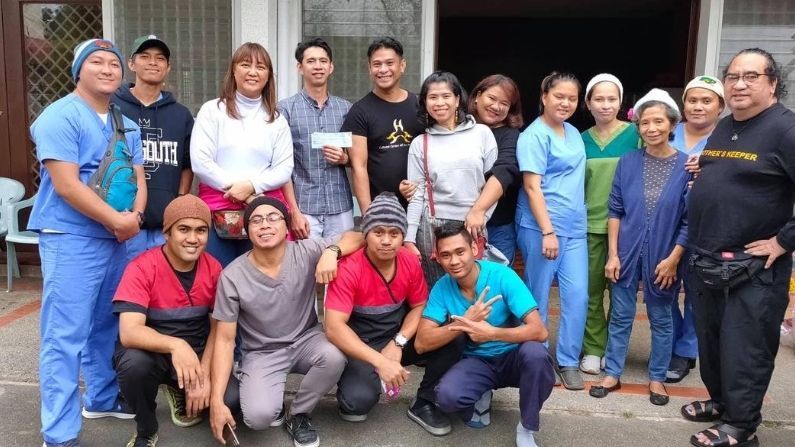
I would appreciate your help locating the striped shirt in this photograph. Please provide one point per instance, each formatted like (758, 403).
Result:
(321, 188)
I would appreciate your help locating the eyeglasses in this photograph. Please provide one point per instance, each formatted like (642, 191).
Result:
(272, 218)
(748, 78)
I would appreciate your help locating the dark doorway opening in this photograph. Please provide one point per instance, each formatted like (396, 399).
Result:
(646, 43)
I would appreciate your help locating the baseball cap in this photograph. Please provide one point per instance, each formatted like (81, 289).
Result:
(145, 42)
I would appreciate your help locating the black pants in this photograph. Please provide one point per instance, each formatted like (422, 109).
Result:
(738, 338)
(359, 386)
(141, 372)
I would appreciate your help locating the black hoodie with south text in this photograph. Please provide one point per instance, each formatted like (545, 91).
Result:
(165, 136)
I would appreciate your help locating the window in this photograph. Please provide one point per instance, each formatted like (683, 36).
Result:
(198, 33)
(767, 24)
(350, 25)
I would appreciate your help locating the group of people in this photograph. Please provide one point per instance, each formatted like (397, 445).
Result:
(212, 298)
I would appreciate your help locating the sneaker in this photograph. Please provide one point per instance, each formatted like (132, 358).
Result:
(590, 364)
(69, 443)
(279, 421)
(429, 417)
(524, 437)
(350, 417)
(119, 411)
(300, 429)
(176, 402)
(143, 441)
(481, 412)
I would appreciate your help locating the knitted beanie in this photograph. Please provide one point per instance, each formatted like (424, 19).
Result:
(385, 211)
(187, 206)
(265, 200)
(85, 48)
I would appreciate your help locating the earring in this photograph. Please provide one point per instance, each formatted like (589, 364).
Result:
(456, 116)
(427, 118)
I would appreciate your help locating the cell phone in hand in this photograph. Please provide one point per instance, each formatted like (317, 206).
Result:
(231, 439)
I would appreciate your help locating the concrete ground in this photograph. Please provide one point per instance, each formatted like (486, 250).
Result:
(625, 418)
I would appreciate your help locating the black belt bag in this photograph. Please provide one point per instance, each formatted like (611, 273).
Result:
(724, 269)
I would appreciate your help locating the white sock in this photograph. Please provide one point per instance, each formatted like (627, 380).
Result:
(524, 437)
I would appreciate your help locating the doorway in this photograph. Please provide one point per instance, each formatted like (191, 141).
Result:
(646, 43)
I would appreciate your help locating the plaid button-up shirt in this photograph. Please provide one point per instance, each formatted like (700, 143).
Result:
(321, 188)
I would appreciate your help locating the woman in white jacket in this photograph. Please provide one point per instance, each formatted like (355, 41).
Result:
(240, 147)
(459, 153)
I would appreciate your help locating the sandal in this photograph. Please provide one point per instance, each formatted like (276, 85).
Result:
(703, 411)
(744, 438)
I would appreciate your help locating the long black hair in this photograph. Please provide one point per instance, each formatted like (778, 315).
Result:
(455, 85)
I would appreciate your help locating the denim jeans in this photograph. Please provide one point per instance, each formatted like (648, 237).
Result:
(622, 317)
(327, 225)
(685, 343)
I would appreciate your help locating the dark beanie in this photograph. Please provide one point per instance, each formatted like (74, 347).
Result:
(187, 206)
(385, 211)
(265, 200)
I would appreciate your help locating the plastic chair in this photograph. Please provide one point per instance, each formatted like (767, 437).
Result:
(14, 236)
(10, 191)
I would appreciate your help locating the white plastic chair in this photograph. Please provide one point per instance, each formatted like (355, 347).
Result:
(14, 236)
(10, 191)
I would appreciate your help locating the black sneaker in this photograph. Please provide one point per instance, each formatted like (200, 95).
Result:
(429, 417)
(300, 429)
(120, 410)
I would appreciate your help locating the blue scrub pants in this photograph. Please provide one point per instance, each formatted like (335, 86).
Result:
(504, 238)
(571, 270)
(78, 329)
(144, 240)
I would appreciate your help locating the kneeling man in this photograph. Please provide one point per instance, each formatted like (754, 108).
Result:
(491, 306)
(165, 331)
(269, 295)
(373, 308)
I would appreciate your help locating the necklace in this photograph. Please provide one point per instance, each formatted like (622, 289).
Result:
(736, 133)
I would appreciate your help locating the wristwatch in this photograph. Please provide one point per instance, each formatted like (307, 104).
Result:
(400, 340)
(336, 249)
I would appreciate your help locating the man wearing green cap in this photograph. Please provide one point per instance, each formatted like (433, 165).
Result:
(165, 135)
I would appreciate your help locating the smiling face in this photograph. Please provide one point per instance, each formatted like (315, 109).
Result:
(263, 233)
(560, 101)
(383, 242)
(604, 102)
(654, 125)
(100, 73)
(185, 242)
(251, 77)
(456, 255)
(702, 107)
(441, 103)
(316, 67)
(745, 99)
(150, 66)
(386, 68)
(492, 106)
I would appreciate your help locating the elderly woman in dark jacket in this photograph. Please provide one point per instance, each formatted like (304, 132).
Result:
(647, 233)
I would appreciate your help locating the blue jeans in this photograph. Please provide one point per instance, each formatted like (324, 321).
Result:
(685, 343)
(78, 328)
(144, 240)
(226, 250)
(622, 317)
(571, 269)
(504, 238)
(327, 225)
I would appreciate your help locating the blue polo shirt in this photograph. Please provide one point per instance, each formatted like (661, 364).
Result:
(561, 163)
(70, 130)
(446, 300)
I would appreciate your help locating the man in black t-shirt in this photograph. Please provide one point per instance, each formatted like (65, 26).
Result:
(741, 205)
(383, 124)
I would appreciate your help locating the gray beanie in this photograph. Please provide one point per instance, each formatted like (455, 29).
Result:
(385, 211)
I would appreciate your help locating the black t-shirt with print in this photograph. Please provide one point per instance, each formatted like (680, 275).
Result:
(746, 189)
(389, 128)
